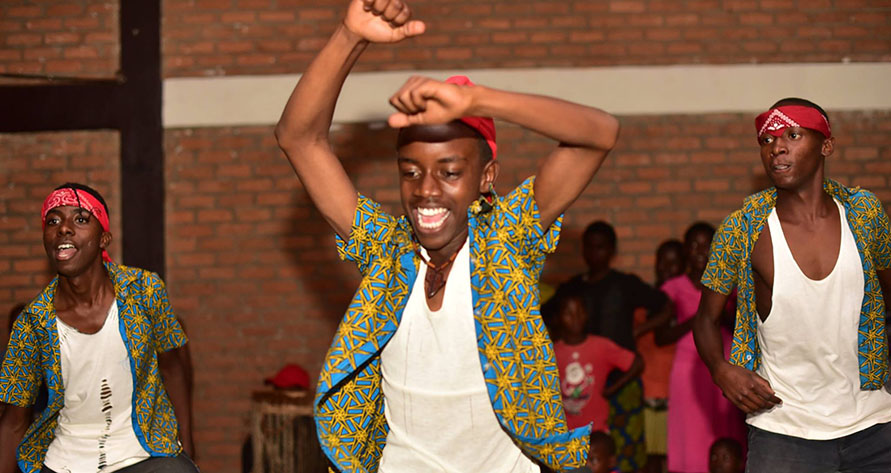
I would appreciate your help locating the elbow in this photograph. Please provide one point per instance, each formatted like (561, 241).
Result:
(282, 136)
(291, 138)
(606, 135)
(612, 135)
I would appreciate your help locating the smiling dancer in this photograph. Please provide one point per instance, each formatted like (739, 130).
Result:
(442, 362)
(810, 259)
(104, 340)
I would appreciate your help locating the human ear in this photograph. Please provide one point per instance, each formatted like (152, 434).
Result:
(828, 147)
(490, 173)
(105, 240)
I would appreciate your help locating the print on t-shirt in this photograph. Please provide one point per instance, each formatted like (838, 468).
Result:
(576, 385)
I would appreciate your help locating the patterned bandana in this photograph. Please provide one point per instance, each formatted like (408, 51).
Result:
(68, 196)
(775, 120)
(484, 125)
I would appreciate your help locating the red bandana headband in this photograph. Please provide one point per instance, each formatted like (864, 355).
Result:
(484, 125)
(776, 119)
(68, 196)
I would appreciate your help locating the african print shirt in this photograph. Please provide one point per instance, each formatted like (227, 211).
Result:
(507, 251)
(730, 264)
(147, 326)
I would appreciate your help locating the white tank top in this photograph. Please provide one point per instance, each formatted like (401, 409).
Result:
(435, 397)
(809, 347)
(95, 430)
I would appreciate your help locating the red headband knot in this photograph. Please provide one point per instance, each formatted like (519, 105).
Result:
(484, 125)
(776, 119)
(68, 196)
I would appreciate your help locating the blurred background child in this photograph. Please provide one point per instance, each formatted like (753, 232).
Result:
(726, 456)
(585, 361)
(657, 362)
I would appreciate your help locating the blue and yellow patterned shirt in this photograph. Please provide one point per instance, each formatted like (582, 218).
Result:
(147, 326)
(507, 251)
(730, 264)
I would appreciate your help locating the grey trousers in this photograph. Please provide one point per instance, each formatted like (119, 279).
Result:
(867, 451)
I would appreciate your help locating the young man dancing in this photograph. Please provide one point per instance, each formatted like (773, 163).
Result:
(811, 261)
(100, 336)
(442, 362)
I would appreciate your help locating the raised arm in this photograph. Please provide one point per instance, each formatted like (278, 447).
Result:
(585, 134)
(742, 387)
(302, 130)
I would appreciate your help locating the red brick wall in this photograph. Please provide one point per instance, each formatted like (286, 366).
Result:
(59, 37)
(253, 269)
(252, 266)
(232, 37)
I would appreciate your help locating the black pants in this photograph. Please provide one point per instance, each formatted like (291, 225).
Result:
(867, 451)
(178, 464)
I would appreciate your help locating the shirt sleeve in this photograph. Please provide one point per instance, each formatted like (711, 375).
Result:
(521, 219)
(881, 248)
(619, 358)
(721, 272)
(167, 331)
(371, 232)
(20, 375)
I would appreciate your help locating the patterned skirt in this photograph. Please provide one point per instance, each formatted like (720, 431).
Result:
(626, 424)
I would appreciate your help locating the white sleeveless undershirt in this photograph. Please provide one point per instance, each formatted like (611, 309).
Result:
(435, 397)
(95, 431)
(809, 347)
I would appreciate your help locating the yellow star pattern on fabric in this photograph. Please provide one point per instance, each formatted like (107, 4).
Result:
(507, 251)
(149, 324)
(729, 265)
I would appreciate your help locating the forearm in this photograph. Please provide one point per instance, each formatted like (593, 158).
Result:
(571, 124)
(661, 319)
(176, 382)
(649, 326)
(13, 424)
(671, 333)
(709, 343)
(585, 135)
(310, 109)
(633, 372)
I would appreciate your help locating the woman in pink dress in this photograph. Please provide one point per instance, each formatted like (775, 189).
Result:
(698, 414)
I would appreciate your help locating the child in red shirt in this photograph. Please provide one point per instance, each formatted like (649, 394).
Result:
(585, 361)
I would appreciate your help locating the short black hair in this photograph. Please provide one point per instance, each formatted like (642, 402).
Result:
(699, 227)
(670, 244)
(732, 445)
(602, 438)
(88, 190)
(569, 293)
(603, 228)
(802, 102)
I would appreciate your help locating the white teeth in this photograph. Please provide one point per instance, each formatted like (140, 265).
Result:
(430, 226)
(431, 219)
(430, 212)
(65, 246)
